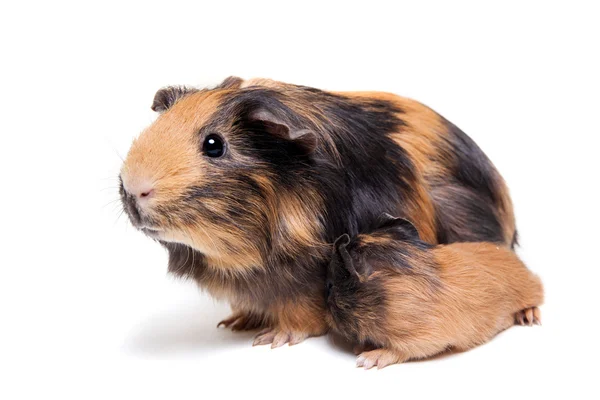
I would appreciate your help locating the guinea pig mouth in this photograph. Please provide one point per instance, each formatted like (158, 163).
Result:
(137, 216)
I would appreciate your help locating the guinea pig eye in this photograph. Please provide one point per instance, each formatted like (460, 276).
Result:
(213, 146)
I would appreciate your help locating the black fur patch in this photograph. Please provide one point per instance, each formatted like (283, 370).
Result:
(467, 201)
(473, 168)
(463, 216)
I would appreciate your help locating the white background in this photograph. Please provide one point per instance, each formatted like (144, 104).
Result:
(87, 308)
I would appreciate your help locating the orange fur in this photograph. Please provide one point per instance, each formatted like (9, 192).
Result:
(302, 315)
(476, 293)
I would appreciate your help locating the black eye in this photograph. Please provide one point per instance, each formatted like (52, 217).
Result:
(213, 146)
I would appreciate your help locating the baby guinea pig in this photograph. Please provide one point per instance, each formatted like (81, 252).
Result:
(393, 294)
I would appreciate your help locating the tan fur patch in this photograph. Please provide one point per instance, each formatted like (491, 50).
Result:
(303, 315)
(296, 220)
(481, 288)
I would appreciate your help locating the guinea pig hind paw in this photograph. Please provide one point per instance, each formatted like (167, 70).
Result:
(528, 316)
(380, 358)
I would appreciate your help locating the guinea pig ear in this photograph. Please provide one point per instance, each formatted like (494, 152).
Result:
(400, 228)
(303, 138)
(166, 97)
(340, 247)
(231, 82)
(341, 243)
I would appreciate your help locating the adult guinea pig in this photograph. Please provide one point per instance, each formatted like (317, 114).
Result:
(403, 298)
(247, 185)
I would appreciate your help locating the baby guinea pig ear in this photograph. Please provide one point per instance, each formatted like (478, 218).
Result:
(305, 139)
(166, 97)
(340, 248)
(400, 228)
(341, 243)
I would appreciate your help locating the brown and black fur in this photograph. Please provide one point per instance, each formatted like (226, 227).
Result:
(402, 298)
(302, 167)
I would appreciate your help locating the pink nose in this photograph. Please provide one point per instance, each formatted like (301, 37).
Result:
(141, 190)
(146, 193)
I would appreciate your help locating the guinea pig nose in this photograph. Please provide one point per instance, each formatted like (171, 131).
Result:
(147, 193)
(143, 193)
(141, 190)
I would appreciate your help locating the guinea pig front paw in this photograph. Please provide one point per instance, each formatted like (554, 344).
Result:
(277, 337)
(380, 358)
(242, 321)
(529, 316)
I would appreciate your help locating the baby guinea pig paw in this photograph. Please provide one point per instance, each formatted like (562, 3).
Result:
(380, 358)
(529, 316)
(242, 321)
(277, 337)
